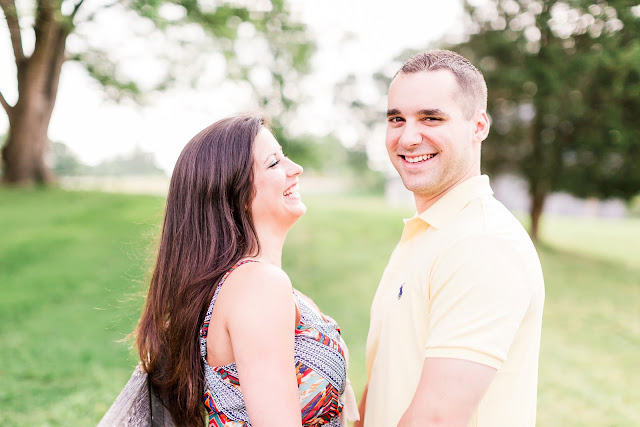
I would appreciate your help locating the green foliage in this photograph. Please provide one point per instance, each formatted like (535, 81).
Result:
(327, 156)
(284, 54)
(3, 140)
(368, 179)
(304, 150)
(634, 207)
(64, 161)
(260, 44)
(137, 162)
(105, 71)
(564, 93)
(72, 265)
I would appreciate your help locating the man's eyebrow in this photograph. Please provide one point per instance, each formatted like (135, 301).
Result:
(424, 112)
(432, 112)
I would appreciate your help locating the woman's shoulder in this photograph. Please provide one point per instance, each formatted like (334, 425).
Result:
(254, 292)
(258, 279)
(260, 272)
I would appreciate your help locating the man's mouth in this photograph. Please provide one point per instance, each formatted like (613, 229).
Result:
(419, 159)
(289, 191)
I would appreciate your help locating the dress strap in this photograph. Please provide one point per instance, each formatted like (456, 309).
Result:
(204, 330)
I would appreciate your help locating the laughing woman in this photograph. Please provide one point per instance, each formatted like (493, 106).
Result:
(222, 324)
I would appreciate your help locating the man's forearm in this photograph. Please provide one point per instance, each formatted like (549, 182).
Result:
(448, 393)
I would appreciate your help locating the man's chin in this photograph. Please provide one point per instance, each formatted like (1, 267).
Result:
(417, 187)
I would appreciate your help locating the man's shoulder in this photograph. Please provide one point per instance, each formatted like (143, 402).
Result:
(486, 216)
(496, 256)
(486, 227)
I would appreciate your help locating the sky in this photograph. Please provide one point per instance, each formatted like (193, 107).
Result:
(355, 37)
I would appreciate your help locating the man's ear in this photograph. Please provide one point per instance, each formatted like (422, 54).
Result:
(481, 126)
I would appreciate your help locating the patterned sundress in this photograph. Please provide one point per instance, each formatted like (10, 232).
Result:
(320, 369)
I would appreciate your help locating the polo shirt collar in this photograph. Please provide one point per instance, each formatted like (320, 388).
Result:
(445, 209)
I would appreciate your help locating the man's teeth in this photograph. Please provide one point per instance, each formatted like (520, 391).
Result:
(419, 158)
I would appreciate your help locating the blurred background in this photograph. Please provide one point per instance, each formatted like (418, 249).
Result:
(99, 96)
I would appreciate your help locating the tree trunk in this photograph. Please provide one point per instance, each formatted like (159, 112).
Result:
(27, 142)
(38, 77)
(537, 206)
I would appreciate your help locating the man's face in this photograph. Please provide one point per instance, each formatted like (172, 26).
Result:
(430, 142)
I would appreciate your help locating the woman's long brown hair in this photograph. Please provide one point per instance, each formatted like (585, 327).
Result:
(207, 229)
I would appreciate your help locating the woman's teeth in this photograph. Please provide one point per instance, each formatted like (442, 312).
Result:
(290, 190)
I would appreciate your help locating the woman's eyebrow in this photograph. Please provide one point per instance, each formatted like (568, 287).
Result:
(270, 154)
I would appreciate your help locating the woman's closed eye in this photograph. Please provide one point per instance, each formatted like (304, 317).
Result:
(278, 160)
(274, 163)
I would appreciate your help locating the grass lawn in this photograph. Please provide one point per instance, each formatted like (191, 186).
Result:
(72, 265)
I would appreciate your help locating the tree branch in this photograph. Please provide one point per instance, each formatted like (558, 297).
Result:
(75, 9)
(92, 16)
(5, 105)
(11, 15)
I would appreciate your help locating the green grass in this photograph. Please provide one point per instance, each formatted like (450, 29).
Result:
(591, 328)
(72, 265)
(611, 240)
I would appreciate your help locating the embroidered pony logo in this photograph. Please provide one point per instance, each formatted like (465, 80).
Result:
(400, 291)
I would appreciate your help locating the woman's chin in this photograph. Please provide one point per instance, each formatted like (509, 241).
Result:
(299, 210)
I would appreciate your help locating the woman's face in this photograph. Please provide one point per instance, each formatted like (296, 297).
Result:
(277, 201)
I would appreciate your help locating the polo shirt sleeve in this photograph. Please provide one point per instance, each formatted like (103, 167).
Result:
(478, 296)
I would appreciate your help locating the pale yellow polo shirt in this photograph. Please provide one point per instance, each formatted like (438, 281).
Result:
(463, 282)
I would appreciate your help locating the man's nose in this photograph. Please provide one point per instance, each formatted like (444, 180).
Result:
(410, 136)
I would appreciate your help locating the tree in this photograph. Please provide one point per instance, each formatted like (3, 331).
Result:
(136, 162)
(284, 57)
(564, 94)
(64, 161)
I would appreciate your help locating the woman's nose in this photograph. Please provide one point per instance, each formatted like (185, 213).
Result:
(295, 169)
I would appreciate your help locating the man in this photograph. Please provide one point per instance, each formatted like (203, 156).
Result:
(455, 322)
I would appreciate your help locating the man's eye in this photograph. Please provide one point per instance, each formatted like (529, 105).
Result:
(395, 119)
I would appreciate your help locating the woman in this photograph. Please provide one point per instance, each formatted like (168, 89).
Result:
(222, 322)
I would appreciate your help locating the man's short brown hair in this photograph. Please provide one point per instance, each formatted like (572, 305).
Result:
(471, 84)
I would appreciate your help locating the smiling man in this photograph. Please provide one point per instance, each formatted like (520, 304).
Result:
(455, 322)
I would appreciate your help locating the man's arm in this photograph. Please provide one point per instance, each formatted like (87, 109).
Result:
(361, 407)
(448, 392)
(476, 306)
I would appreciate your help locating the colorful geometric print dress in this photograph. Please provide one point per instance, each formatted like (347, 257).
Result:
(320, 369)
